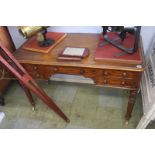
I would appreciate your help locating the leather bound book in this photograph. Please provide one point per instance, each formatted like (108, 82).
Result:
(107, 52)
(32, 43)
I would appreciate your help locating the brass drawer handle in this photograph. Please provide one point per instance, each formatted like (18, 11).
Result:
(105, 73)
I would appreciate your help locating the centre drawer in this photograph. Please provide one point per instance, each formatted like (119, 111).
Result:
(44, 71)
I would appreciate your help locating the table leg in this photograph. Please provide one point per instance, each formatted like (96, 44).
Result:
(29, 96)
(2, 99)
(131, 102)
(48, 81)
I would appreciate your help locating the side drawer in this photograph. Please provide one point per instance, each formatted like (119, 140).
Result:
(120, 74)
(34, 71)
(120, 82)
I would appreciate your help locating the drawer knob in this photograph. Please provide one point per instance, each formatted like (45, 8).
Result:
(81, 71)
(124, 74)
(37, 75)
(55, 69)
(93, 71)
(105, 73)
(105, 81)
(35, 67)
(123, 82)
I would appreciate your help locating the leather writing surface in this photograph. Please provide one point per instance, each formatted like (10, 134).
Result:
(32, 43)
(109, 52)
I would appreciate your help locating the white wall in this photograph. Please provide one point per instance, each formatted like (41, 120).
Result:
(147, 32)
(19, 40)
(16, 37)
(76, 29)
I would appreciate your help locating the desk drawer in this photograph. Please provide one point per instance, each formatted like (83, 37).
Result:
(43, 71)
(120, 82)
(114, 78)
(120, 74)
(88, 72)
(36, 71)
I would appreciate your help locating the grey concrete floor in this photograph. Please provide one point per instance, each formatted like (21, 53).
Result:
(87, 106)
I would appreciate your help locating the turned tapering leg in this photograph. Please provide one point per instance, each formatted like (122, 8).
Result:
(29, 96)
(131, 103)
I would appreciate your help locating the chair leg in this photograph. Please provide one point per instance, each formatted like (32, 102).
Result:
(29, 96)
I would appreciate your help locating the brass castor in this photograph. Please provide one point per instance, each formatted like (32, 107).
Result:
(126, 122)
(48, 81)
(34, 108)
